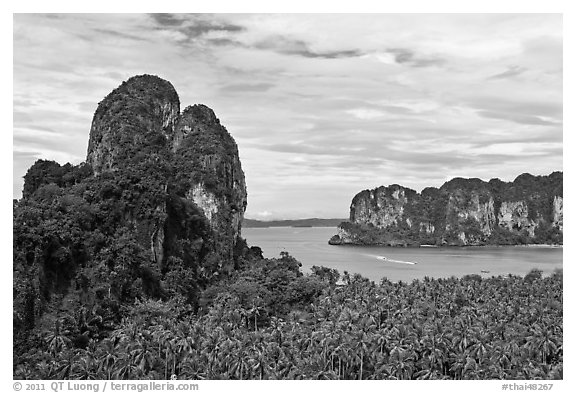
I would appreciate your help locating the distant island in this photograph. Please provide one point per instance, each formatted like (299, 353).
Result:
(462, 212)
(305, 222)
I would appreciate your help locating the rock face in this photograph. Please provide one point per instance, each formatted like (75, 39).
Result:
(208, 166)
(191, 157)
(461, 212)
(135, 116)
(558, 213)
(389, 202)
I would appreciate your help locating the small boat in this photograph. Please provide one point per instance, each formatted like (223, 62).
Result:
(484, 271)
(382, 258)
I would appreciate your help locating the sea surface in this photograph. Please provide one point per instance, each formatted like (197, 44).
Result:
(310, 246)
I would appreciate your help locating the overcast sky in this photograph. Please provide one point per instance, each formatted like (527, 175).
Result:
(321, 106)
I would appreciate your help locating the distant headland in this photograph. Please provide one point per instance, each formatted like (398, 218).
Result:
(462, 212)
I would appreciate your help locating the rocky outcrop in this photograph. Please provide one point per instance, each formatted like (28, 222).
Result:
(138, 115)
(207, 161)
(461, 212)
(381, 207)
(558, 213)
(186, 157)
(513, 215)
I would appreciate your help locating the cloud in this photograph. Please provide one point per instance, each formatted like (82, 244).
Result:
(321, 105)
(511, 72)
(199, 28)
(193, 26)
(287, 46)
(246, 87)
(538, 139)
(408, 57)
(308, 148)
(526, 106)
(35, 129)
(25, 154)
(367, 113)
(521, 119)
(117, 34)
(215, 30)
(544, 52)
(223, 42)
(169, 20)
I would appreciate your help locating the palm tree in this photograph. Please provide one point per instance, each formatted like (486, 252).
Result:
(142, 356)
(86, 368)
(108, 357)
(57, 339)
(402, 363)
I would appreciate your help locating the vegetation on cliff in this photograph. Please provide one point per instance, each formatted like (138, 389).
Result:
(461, 212)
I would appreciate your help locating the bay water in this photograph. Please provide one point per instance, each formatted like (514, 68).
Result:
(309, 245)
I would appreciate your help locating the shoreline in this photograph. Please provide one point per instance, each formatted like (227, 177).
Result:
(452, 246)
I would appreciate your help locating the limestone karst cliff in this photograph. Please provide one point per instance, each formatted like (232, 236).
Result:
(209, 173)
(156, 211)
(461, 212)
(194, 157)
(139, 115)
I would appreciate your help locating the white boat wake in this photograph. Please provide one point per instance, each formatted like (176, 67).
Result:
(395, 261)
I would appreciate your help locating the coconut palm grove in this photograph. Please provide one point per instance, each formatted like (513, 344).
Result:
(269, 321)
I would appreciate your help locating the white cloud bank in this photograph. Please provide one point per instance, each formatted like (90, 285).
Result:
(321, 106)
